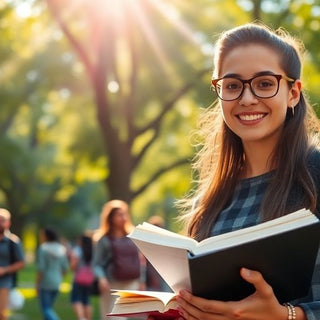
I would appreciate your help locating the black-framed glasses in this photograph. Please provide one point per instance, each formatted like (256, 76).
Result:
(262, 86)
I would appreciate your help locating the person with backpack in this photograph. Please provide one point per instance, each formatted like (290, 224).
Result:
(116, 259)
(80, 263)
(11, 260)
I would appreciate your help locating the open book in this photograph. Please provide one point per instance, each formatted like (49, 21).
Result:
(145, 303)
(284, 250)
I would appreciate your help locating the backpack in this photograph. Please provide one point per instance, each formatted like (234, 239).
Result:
(125, 259)
(84, 276)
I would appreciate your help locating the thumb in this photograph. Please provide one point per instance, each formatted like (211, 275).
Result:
(255, 278)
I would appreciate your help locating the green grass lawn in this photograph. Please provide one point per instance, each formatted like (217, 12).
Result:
(31, 310)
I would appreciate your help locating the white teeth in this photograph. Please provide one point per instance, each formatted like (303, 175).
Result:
(250, 117)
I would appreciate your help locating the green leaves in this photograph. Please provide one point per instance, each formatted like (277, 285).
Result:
(95, 108)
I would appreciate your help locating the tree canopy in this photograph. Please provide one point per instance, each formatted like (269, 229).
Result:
(99, 99)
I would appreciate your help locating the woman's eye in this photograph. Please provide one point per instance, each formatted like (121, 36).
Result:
(265, 84)
(233, 86)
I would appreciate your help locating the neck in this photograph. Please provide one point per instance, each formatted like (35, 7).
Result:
(257, 159)
(117, 233)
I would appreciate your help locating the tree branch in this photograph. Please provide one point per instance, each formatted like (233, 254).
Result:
(74, 43)
(136, 160)
(130, 100)
(155, 124)
(157, 174)
(28, 91)
(256, 12)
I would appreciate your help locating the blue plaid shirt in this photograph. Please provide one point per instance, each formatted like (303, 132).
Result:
(243, 211)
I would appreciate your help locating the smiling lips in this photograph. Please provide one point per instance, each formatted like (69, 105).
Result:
(251, 116)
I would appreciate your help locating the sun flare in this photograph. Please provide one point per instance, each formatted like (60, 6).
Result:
(125, 16)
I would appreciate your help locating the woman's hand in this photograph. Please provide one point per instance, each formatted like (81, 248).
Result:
(261, 305)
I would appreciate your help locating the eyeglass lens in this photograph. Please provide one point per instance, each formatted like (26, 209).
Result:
(264, 86)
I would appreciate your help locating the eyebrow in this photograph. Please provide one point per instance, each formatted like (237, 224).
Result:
(260, 73)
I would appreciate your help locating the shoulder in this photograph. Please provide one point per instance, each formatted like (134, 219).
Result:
(16, 242)
(313, 163)
(13, 237)
(104, 241)
(43, 246)
(313, 157)
(13, 241)
(6, 240)
(42, 249)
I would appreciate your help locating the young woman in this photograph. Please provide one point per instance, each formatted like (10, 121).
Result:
(257, 161)
(113, 251)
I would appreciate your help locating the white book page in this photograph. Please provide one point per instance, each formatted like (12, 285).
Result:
(137, 307)
(160, 236)
(171, 263)
(288, 222)
(141, 307)
(156, 235)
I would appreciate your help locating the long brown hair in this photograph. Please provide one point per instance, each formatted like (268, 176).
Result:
(221, 158)
(106, 217)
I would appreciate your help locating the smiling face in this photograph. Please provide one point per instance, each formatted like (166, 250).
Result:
(257, 119)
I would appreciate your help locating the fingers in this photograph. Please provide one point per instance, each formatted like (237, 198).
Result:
(255, 278)
(192, 307)
(261, 302)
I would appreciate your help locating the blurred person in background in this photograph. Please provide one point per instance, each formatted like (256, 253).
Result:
(81, 257)
(115, 254)
(11, 260)
(52, 264)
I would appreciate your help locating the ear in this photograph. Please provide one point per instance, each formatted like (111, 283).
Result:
(294, 93)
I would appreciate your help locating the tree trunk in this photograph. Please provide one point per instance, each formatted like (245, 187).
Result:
(256, 12)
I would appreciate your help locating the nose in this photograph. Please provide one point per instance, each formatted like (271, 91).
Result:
(247, 97)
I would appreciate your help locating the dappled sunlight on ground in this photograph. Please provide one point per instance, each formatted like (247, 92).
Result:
(65, 287)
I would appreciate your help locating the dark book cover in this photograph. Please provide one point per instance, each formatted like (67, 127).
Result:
(286, 261)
